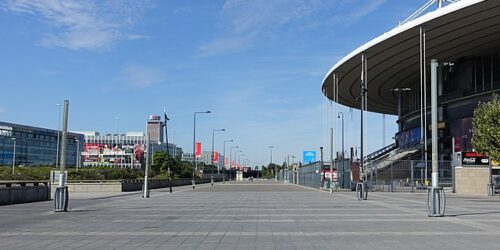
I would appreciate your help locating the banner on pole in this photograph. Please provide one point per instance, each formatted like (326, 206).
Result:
(198, 150)
(216, 157)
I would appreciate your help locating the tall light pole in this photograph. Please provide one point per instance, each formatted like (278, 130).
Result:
(230, 159)
(61, 195)
(194, 141)
(77, 154)
(213, 153)
(58, 133)
(235, 153)
(341, 116)
(117, 139)
(239, 158)
(237, 162)
(224, 163)
(271, 161)
(14, 156)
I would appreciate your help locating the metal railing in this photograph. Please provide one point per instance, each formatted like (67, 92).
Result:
(406, 175)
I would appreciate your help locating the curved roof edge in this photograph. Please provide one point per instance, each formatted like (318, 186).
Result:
(400, 29)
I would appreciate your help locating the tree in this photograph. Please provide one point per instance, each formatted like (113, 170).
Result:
(486, 128)
(160, 159)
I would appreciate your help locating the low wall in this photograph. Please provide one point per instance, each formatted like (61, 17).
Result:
(14, 192)
(472, 180)
(136, 185)
(126, 185)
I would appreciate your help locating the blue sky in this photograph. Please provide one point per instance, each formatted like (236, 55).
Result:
(257, 65)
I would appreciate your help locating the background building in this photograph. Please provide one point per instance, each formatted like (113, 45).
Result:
(155, 129)
(35, 146)
(124, 150)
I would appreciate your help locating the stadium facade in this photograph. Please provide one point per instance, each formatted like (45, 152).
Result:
(391, 74)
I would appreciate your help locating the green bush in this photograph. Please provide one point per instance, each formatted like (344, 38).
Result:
(101, 173)
(25, 173)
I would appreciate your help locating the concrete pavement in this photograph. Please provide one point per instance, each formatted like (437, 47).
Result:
(251, 215)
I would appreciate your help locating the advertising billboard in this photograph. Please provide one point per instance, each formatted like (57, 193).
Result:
(309, 157)
(111, 154)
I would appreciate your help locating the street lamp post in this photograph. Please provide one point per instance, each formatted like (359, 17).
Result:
(213, 153)
(58, 134)
(230, 160)
(341, 116)
(239, 158)
(271, 161)
(117, 139)
(235, 153)
(77, 154)
(14, 156)
(194, 143)
(224, 163)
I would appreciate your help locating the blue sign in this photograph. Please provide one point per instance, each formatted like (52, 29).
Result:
(309, 157)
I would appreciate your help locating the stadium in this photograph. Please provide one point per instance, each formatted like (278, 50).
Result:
(391, 74)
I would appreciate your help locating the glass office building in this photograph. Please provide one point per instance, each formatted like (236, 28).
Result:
(35, 146)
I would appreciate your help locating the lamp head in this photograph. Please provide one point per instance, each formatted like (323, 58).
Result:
(208, 112)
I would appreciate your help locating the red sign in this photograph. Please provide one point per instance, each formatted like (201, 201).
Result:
(216, 157)
(198, 150)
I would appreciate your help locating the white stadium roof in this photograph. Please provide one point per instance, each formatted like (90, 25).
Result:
(461, 29)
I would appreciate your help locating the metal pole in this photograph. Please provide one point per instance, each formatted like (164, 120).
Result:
(421, 94)
(58, 134)
(213, 153)
(435, 173)
(425, 100)
(145, 193)
(64, 143)
(321, 164)
(271, 161)
(331, 158)
(168, 152)
(342, 149)
(287, 164)
(363, 93)
(195, 168)
(14, 156)
(117, 139)
(224, 163)
(77, 154)
(412, 163)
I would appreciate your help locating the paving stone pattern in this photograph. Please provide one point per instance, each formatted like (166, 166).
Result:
(251, 215)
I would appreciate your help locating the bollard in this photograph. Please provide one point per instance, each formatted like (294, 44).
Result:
(436, 201)
(193, 183)
(361, 190)
(61, 199)
(212, 181)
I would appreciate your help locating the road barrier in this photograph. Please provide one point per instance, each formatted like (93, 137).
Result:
(14, 192)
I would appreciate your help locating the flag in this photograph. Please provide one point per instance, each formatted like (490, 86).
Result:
(198, 150)
(216, 157)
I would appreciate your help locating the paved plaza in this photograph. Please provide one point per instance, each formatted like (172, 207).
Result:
(251, 215)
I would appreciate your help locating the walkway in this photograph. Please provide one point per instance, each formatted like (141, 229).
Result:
(251, 215)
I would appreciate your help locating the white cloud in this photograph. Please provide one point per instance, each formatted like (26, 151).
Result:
(3, 110)
(140, 76)
(366, 9)
(82, 25)
(245, 22)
